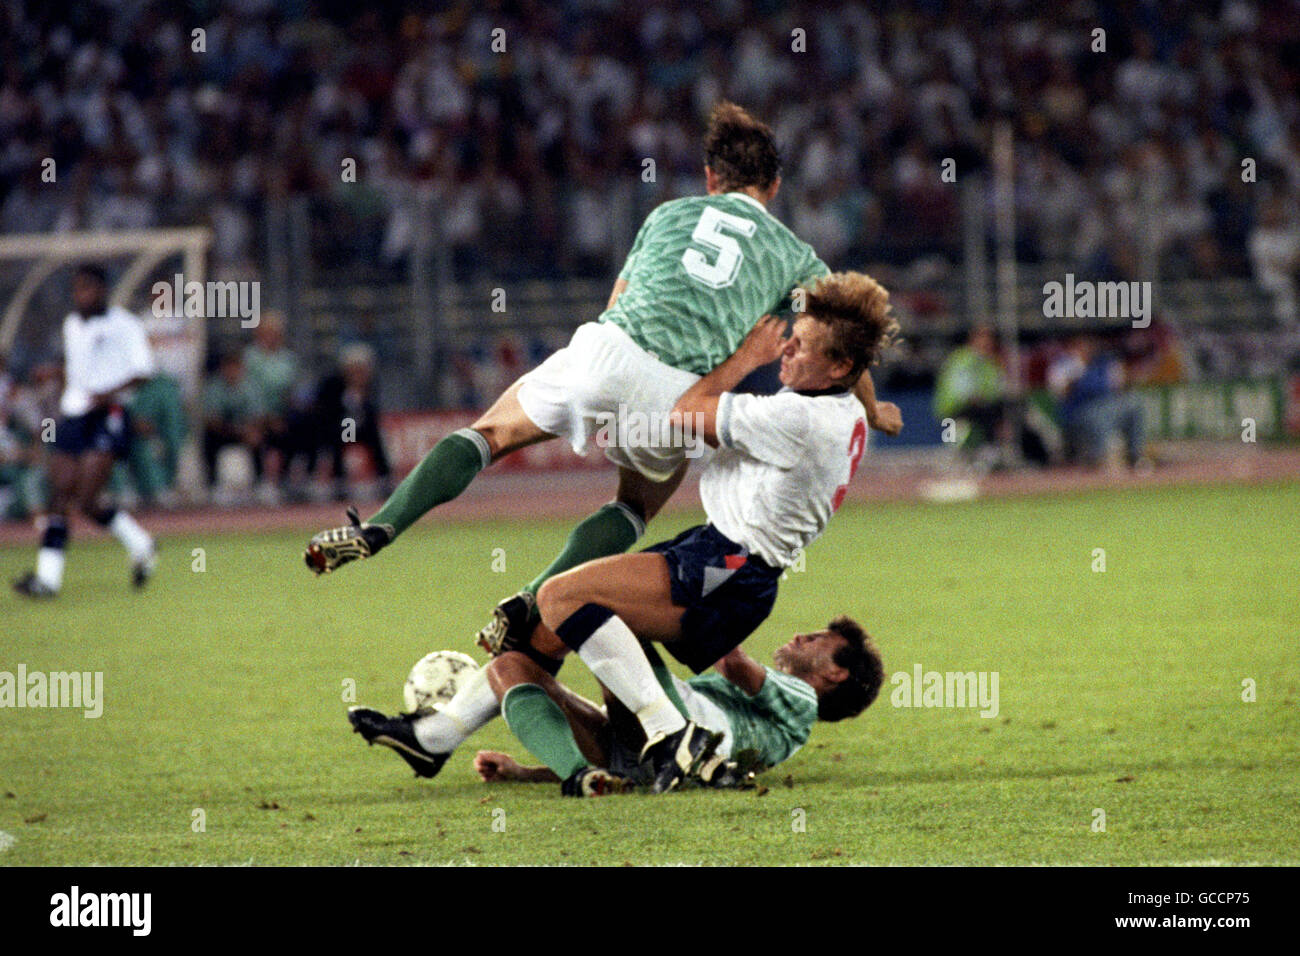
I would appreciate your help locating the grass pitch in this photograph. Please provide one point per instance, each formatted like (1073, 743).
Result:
(223, 738)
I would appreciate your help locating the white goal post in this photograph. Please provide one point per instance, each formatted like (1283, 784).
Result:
(48, 253)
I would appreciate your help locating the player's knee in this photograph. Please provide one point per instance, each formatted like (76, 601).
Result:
(502, 672)
(546, 597)
(555, 601)
(511, 668)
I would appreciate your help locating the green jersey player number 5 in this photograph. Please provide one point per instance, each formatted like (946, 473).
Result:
(712, 231)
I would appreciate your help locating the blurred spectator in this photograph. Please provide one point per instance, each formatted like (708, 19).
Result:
(1088, 383)
(232, 415)
(18, 453)
(273, 372)
(146, 133)
(1154, 355)
(349, 415)
(1275, 257)
(971, 389)
(158, 416)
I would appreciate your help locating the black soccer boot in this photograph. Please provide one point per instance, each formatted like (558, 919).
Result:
(29, 585)
(511, 626)
(337, 546)
(723, 774)
(594, 782)
(674, 757)
(397, 733)
(142, 570)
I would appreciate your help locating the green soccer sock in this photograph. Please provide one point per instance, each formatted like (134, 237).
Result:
(611, 530)
(540, 726)
(442, 475)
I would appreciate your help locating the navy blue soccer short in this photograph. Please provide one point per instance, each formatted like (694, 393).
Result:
(104, 430)
(727, 593)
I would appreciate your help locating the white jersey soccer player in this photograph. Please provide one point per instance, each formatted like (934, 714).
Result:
(701, 272)
(101, 354)
(781, 470)
(106, 352)
(783, 465)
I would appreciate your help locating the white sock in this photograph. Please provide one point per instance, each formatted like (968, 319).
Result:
(49, 567)
(473, 706)
(615, 657)
(134, 538)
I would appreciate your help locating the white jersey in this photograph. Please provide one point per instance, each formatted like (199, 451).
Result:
(782, 467)
(101, 354)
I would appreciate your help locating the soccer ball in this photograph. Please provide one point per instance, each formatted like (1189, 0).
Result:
(434, 680)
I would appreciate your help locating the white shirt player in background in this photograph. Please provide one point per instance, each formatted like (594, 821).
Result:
(106, 353)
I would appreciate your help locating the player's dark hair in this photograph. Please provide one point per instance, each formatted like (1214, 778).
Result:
(739, 149)
(91, 271)
(866, 672)
(856, 307)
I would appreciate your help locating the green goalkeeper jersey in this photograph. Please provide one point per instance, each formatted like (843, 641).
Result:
(702, 271)
(772, 724)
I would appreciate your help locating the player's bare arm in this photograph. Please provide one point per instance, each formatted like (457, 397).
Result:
(493, 767)
(117, 395)
(742, 670)
(620, 285)
(698, 406)
(882, 416)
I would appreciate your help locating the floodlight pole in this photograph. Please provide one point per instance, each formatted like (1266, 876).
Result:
(1004, 210)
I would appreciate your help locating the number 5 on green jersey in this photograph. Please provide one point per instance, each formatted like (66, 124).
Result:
(712, 231)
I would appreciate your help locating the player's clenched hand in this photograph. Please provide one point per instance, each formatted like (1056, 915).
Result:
(764, 342)
(493, 766)
(887, 418)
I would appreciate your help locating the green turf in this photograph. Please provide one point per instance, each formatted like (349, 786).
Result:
(1119, 691)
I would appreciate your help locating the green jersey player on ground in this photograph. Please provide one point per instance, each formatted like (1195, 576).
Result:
(765, 714)
(702, 271)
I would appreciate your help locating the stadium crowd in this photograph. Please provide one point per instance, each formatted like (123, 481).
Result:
(1179, 138)
(523, 134)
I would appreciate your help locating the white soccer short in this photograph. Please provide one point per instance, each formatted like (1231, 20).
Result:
(602, 377)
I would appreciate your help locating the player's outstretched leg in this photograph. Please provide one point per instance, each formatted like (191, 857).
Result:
(441, 476)
(611, 530)
(542, 727)
(425, 741)
(138, 542)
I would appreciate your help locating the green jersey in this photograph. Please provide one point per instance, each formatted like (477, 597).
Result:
(967, 377)
(702, 271)
(774, 723)
(274, 374)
